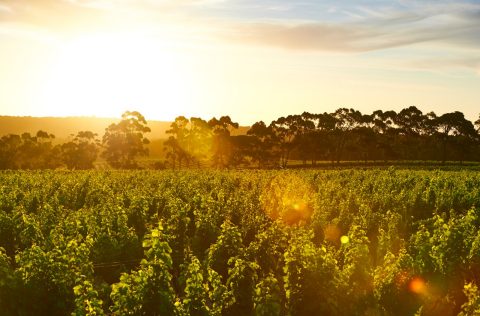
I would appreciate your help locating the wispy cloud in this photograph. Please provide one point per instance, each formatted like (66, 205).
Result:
(373, 33)
(349, 26)
(5, 9)
(447, 63)
(305, 36)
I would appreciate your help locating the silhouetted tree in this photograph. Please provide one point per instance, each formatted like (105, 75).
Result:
(345, 134)
(453, 124)
(410, 121)
(174, 152)
(9, 149)
(38, 152)
(125, 141)
(365, 141)
(263, 151)
(82, 151)
(286, 130)
(349, 134)
(382, 124)
(29, 152)
(190, 140)
(413, 127)
(221, 145)
(345, 121)
(199, 139)
(246, 151)
(304, 128)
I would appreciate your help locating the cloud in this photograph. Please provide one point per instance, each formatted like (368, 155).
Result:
(361, 28)
(468, 63)
(369, 34)
(5, 9)
(305, 36)
(473, 62)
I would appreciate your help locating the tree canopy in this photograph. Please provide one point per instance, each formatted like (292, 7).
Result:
(343, 135)
(125, 141)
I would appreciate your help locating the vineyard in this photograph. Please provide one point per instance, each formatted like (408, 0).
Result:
(306, 242)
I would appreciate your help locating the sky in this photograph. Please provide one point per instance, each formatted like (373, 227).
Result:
(250, 59)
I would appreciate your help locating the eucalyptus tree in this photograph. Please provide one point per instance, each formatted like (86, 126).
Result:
(9, 148)
(221, 143)
(190, 140)
(37, 152)
(82, 151)
(287, 130)
(454, 125)
(263, 149)
(125, 141)
(345, 121)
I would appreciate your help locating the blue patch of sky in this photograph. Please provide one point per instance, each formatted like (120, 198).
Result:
(328, 11)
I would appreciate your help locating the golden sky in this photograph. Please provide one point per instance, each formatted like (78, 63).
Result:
(250, 59)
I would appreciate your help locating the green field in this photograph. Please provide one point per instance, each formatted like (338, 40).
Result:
(293, 242)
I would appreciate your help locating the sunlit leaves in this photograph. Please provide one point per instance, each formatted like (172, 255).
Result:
(311, 276)
(147, 291)
(268, 299)
(382, 242)
(472, 306)
(87, 302)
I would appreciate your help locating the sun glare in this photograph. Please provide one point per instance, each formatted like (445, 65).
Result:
(418, 286)
(106, 74)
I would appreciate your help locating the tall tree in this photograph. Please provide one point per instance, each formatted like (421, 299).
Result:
(125, 141)
(382, 124)
(190, 140)
(247, 151)
(477, 124)
(412, 126)
(262, 148)
(175, 144)
(221, 144)
(38, 152)
(345, 121)
(199, 139)
(451, 125)
(410, 121)
(304, 140)
(82, 151)
(9, 148)
(286, 131)
(174, 152)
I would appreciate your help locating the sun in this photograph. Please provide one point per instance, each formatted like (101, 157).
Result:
(104, 74)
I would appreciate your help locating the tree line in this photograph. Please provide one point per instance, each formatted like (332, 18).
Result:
(344, 135)
(347, 134)
(120, 146)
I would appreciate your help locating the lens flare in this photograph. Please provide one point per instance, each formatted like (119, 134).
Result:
(417, 285)
(287, 198)
(344, 239)
(332, 233)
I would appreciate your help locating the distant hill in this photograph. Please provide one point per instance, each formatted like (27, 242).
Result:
(63, 127)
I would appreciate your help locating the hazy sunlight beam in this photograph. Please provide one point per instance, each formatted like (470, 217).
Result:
(106, 74)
